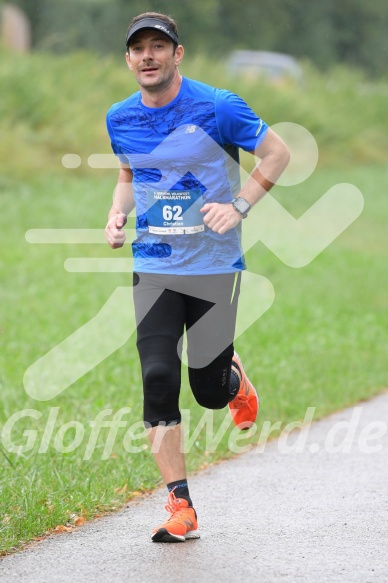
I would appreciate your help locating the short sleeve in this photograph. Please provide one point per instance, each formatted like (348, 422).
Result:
(237, 124)
(113, 141)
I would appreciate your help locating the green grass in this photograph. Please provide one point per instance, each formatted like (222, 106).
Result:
(322, 344)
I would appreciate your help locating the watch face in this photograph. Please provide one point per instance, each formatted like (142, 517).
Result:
(241, 205)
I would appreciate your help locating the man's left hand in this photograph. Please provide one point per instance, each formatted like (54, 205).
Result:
(220, 217)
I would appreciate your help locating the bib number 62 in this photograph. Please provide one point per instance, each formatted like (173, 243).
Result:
(172, 213)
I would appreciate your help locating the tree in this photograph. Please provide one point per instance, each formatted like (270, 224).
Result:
(347, 31)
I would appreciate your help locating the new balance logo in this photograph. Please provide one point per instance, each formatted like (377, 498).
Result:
(190, 129)
(189, 523)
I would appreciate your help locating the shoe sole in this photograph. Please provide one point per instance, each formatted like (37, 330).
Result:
(163, 536)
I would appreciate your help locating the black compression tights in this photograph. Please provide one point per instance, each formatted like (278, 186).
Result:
(165, 306)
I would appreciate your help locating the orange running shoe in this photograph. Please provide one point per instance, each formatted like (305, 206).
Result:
(181, 525)
(245, 406)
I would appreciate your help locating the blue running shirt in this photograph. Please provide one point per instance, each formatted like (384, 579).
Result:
(182, 156)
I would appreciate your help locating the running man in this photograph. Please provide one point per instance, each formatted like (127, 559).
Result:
(177, 140)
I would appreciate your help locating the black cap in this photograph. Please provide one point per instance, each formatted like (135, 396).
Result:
(151, 23)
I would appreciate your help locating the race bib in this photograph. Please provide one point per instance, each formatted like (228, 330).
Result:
(175, 212)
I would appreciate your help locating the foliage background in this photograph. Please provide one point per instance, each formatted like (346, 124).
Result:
(349, 31)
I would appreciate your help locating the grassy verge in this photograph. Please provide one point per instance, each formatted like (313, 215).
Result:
(322, 344)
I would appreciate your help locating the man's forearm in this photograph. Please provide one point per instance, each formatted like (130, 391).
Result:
(265, 175)
(123, 199)
(274, 157)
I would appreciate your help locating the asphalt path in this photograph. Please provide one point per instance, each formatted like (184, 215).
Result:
(311, 507)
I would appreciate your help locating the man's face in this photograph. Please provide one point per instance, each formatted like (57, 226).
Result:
(152, 60)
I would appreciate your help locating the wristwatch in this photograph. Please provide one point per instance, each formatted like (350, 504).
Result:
(241, 205)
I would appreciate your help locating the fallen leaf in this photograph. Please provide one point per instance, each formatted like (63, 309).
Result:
(63, 528)
(79, 521)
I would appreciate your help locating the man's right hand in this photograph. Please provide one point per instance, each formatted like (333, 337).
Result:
(114, 232)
